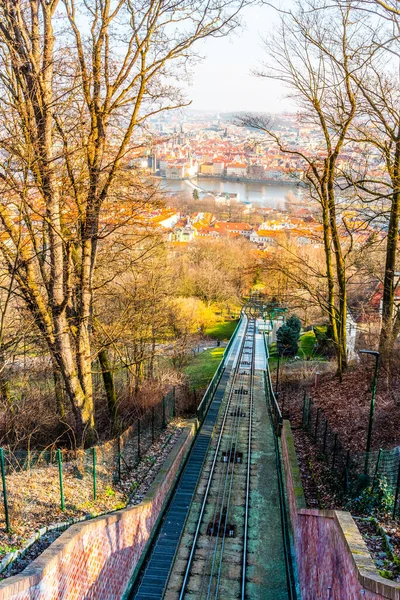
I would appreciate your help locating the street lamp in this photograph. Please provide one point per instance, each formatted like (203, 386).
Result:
(372, 406)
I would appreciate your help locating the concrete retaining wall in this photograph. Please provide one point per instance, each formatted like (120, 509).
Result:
(332, 559)
(95, 559)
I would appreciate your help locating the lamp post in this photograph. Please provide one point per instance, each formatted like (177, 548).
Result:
(372, 406)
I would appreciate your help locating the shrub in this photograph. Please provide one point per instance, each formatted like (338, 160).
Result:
(324, 338)
(294, 323)
(374, 500)
(287, 337)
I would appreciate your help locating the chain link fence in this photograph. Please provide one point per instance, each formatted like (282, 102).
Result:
(351, 471)
(39, 484)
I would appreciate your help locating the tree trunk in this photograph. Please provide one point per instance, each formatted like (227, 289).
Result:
(341, 279)
(109, 387)
(5, 391)
(58, 391)
(332, 310)
(82, 403)
(386, 340)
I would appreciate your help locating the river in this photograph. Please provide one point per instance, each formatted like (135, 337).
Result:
(264, 194)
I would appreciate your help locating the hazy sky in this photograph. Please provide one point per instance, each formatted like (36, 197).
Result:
(224, 82)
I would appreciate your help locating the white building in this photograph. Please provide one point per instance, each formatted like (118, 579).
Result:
(218, 168)
(236, 170)
(175, 171)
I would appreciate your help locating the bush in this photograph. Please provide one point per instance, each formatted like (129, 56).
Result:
(287, 341)
(376, 500)
(294, 323)
(324, 338)
(287, 337)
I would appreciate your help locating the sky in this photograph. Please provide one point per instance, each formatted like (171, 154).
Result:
(224, 82)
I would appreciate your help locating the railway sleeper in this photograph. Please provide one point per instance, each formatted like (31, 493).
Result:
(233, 456)
(242, 391)
(238, 412)
(219, 527)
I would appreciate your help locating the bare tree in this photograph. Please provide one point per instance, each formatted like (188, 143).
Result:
(78, 81)
(376, 176)
(314, 54)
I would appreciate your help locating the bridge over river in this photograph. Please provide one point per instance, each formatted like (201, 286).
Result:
(225, 531)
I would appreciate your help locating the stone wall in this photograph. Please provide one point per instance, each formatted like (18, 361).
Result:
(333, 561)
(95, 559)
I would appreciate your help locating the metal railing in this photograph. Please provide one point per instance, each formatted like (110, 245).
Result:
(277, 423)
(276, 413)
(78, 480)
(348, 468)
(212, 386)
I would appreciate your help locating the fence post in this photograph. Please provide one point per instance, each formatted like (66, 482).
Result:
(94, 473)
(334, 451)
(138, 439)
(60, 476)
(376, 469)
(346, 472)
(164, 422)
(152, 424)
(316, 425)
(309, 413)
(119, 458)
(5, 498)
(325, 436)
(397, 492)
(304, 408)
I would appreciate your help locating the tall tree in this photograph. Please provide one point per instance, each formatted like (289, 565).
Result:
(314, 53)
(377, 132)
(78, 79)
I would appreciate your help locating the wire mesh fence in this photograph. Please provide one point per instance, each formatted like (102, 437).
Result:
(352, 470)
(77, 480)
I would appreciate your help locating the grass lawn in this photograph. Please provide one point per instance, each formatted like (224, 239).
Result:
(222, 330)
(306, 344)
(202, 368)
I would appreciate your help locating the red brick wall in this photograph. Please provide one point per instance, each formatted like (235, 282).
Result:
(332, 560)
(95, 559)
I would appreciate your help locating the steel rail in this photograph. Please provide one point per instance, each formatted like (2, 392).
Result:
(210, 477)
(219, 503)
(247, 491)
(228, 480)
(222, 480)
(248, 474)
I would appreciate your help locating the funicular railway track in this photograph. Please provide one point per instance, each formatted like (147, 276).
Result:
(219, 547)
(224, 534)
(229, 428)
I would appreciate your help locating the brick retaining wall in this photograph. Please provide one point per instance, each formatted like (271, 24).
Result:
(333, 561)
(95, 559)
